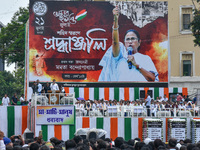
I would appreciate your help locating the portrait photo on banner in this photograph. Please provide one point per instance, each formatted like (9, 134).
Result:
(94, 42)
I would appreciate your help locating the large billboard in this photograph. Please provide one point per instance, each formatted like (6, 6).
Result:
(98, 42)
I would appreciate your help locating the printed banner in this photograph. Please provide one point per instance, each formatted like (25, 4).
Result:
(73, 41)
(55, 115)
(177, 129)
(152, 128)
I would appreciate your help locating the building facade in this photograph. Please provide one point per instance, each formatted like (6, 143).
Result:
(183, 54)
(184, 70)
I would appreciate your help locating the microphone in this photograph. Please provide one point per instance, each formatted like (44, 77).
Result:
(130, 49)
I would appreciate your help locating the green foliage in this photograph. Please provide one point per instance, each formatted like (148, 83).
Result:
(195, 24)
(12, 38)
(12, 83)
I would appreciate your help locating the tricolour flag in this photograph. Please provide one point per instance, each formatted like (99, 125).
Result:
(81, 15)
(13, 120)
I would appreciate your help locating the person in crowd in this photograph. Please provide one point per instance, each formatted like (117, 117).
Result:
(148, 104)
(181, 106)
(160, 99)
(39, 87)
(94, 105)
(78, 139)
(34, 146)
(128, 108)
(47, 87)
(2, 145)
(88, 107)
(61, 88)
(70, 144)
(154, 108)
(5, 100)
(165, 98)
(179, 97)
(140, 67)
(82, 107)
(173, 98)
(14, 99)
(21, 99)
(194, 99)
(157, 143)
(195, 108)
(54, 86)
(172, 144)
(34, 87)
(189, 106)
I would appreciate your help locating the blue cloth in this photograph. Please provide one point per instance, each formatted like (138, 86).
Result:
(6, 140)
(148, 101)
(110, 64)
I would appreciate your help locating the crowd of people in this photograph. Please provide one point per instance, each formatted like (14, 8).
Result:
(6, 101)
(38, 88)
(78, 143)
(150, 105)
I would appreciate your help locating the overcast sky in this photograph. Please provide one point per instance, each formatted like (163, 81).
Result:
(9, 7)
(7, 10)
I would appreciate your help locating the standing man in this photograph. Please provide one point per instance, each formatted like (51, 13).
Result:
(5, 100)
(54, 86)
(148, 104)
(47, 87)
(14, 99)
(34, 87)
(39, 87)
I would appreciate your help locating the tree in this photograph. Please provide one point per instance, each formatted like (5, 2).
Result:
(195, 24)
(12, 38)
(12, 83)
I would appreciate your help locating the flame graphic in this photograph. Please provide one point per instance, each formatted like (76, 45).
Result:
(159, 55)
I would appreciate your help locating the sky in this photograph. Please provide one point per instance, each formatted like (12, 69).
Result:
(7, 10)
(9, 7)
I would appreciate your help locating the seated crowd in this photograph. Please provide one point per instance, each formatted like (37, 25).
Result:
(78, 143)
(100, 107)
(160, 104)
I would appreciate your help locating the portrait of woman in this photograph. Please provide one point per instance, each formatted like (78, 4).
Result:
(124, 62)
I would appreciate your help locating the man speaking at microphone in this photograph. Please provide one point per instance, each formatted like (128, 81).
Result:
(123, 62)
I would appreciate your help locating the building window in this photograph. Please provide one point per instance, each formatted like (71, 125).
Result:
(186, 21)
(186, 16)
(186, 67)
(187, 64)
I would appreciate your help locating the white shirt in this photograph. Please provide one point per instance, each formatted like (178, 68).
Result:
(39, 88)
(2, 145)
(148, 100)
(5, 101)
(54, 87)
(21, 99)
(165, 99)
